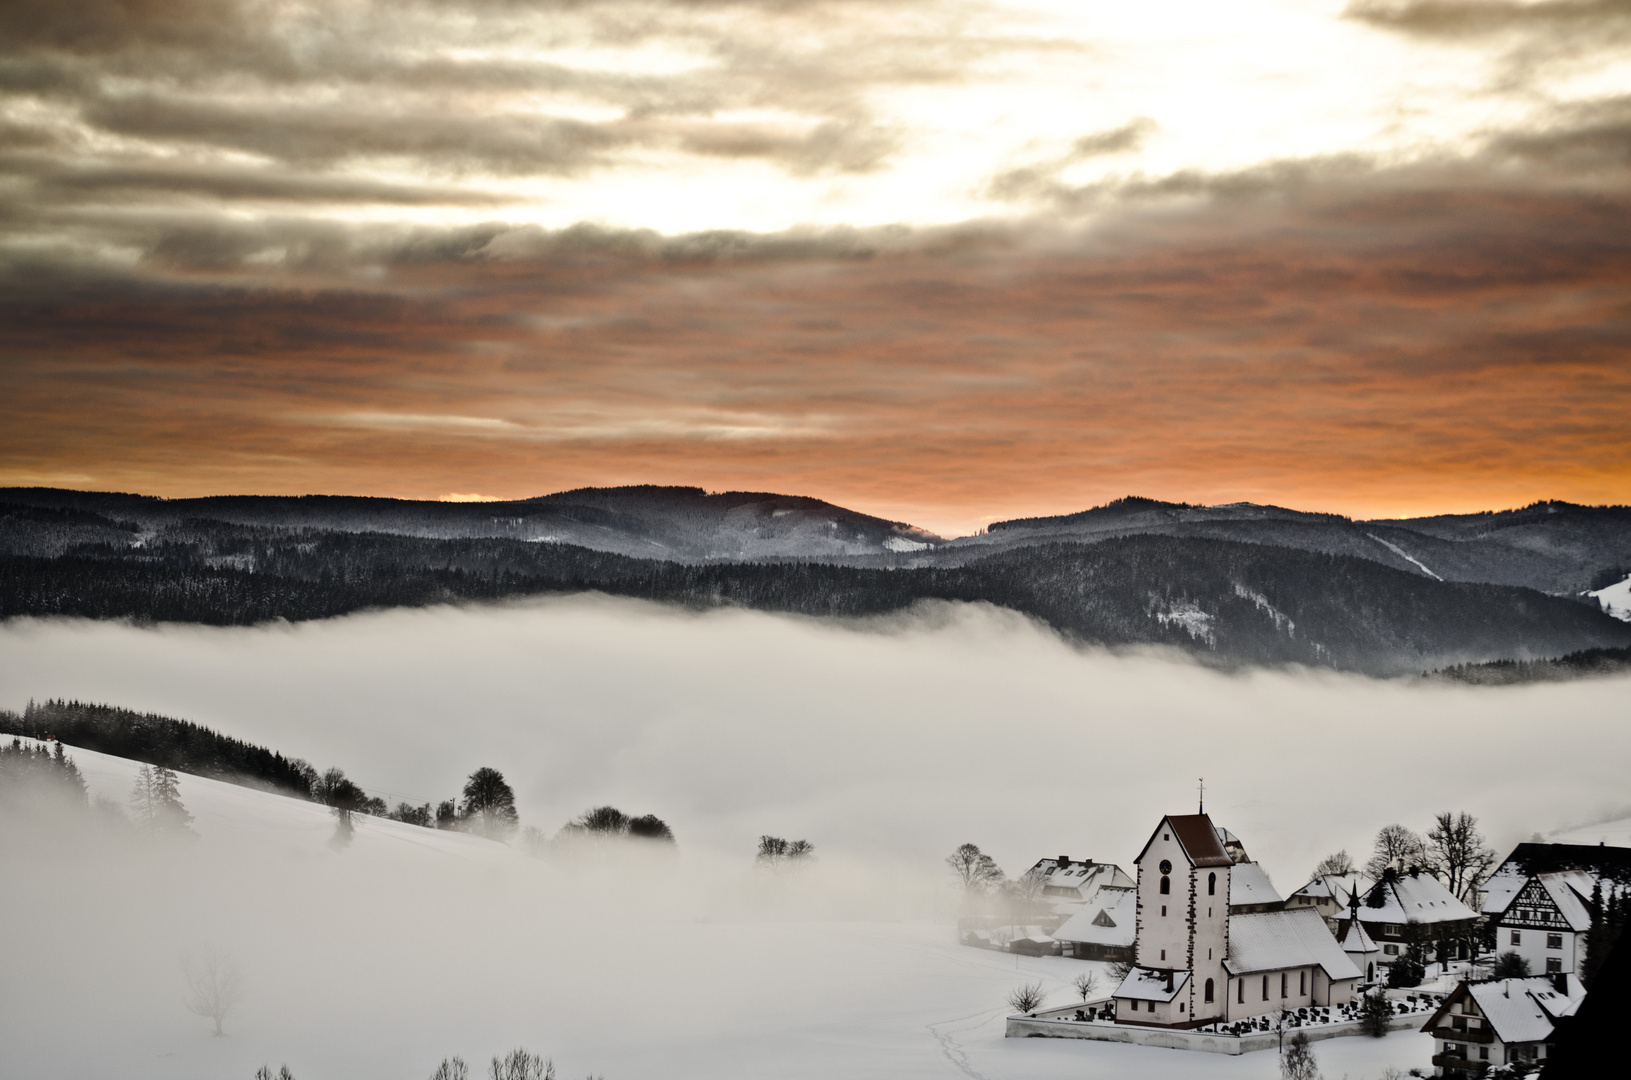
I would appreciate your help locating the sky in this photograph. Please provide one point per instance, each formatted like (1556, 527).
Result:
(944, 261)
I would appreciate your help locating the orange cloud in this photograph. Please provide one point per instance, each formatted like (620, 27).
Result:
(1375, 352)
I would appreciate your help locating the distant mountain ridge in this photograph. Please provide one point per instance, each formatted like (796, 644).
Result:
(1230, 584)
(645, 521)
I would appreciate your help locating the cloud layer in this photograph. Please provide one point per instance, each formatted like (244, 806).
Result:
(1046, 259)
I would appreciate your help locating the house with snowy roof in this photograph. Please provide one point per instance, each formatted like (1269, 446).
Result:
(1104, 929)
(1483, 1025)
(1068, 883)
(1331, 894)
(1414, 906)
(1544, 920)
(1197, 962)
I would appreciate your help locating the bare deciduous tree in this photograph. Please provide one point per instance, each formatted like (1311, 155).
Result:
(519, 1064)
(452, 1069)
(1086, 984)
(974, 868)
(1027, 998)
(1297, 1059)
(265, 1073)
(778, 853)
(1457, 854)
(215, 985)
(1396, 846)
(1338, 864)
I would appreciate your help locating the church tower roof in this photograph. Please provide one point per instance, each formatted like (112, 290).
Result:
(1196, 835)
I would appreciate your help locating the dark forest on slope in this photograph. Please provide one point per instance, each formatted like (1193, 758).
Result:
(1224, 601)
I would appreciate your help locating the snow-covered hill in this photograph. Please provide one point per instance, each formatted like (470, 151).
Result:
(377, 959)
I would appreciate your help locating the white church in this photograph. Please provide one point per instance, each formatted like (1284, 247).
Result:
(1196, 963)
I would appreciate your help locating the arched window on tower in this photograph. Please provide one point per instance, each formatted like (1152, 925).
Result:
(1212, 884)
(1208, 991)
(1166, 884)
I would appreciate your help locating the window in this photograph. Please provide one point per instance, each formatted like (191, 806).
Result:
(1390, 950)
(1483, 1053)
(1166, 836)
(1265, 988)
(1554, 941)
(1180, 1006)
(1212, 884)
(1302, 983)
(1163, 911)
(1163, 951)
(1517, 938)
(1166, 885)
(1208, 991)
(1209, 956)
(1282, 984)
(1554, 965)
(1241, 996)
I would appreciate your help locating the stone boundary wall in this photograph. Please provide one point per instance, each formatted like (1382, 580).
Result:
(1044, 1027)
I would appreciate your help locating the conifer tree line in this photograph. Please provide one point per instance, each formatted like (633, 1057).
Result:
(165, 745)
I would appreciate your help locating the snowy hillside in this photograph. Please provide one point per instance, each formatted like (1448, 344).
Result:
(379, 959)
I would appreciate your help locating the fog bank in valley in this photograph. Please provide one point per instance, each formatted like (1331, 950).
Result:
(890, 739)
(885, 743)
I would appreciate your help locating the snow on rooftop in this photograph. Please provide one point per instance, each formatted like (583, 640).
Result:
(1113, 920)
(1337, 887)
(1249, 884)
(1355, 941)
(1525, 1010)
(1413, 897)
(1274, 940)
(1147, 984)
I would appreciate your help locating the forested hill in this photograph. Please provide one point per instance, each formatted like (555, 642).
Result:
(1225, 601)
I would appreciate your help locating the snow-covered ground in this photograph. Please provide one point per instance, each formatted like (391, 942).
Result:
(1616, 599)
(380, 958)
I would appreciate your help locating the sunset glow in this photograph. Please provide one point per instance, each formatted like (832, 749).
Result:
(940, 261)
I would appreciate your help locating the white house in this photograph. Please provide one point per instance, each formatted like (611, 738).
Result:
(1544, 920)
(1502, 1022)
(1196, 962)
(1104, 929)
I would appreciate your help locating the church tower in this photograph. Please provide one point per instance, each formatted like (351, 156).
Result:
(1183, 925)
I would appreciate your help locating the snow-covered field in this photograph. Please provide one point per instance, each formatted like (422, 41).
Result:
(885, 743)
(378, 959)
(1616, 599)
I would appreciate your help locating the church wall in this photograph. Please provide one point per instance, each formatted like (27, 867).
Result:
(1163, 938)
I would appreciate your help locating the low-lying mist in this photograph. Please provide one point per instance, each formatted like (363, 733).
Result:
(885, 743)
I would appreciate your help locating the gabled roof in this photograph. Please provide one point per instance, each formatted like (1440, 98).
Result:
(1147, 984)
(1569, 903)
(1112, 921)
(1412, 897)
(1196, 835)
(1274, 940)
(1337, 887)
(1518, 1010)
(1355, 942)
(1082, 875)
(1248, 884)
